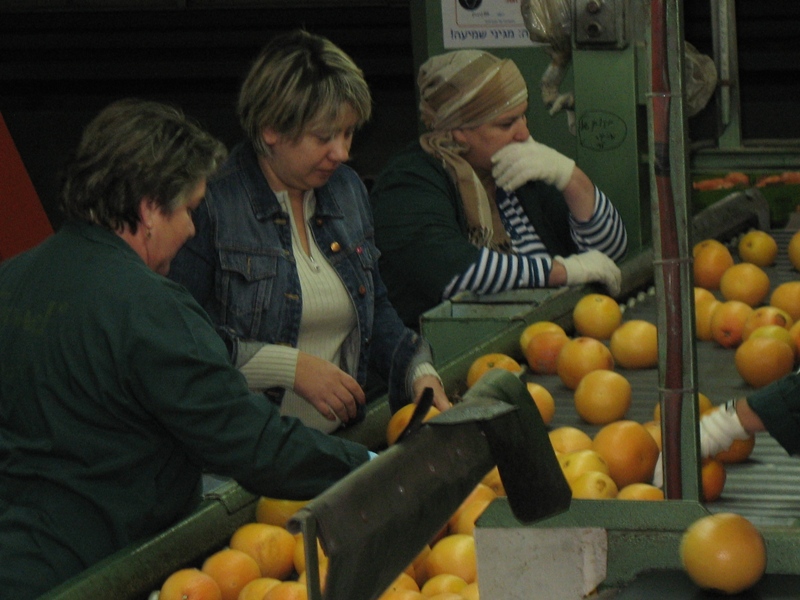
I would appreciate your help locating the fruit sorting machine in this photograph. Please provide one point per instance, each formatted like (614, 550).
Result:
(624, 549)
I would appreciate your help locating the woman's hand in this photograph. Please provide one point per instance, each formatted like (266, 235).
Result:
(327, 388)
(440, 400)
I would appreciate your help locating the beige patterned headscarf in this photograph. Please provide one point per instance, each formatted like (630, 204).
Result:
(464, 89)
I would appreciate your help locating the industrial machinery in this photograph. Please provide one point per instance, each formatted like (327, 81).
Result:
(625, 78)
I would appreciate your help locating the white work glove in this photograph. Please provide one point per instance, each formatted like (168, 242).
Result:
(592, 266)
(658, 473)
(719, 428)
(520, 162)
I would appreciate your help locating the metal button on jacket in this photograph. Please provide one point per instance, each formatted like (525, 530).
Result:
(335, 247)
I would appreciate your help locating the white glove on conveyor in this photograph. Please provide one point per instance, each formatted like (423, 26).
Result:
(592, 266)
(520, 162)
(719, 428)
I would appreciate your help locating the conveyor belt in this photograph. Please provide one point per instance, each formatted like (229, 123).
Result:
(765, 488)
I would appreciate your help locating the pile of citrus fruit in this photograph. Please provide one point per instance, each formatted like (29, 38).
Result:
(737, 307)
(264, 561)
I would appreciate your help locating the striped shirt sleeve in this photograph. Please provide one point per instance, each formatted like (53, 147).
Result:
(529, 264)
(496, 271)
(605, 231)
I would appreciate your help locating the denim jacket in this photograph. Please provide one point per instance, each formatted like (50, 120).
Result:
(241, 269)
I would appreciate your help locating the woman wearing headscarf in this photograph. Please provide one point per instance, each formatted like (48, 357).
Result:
(284, 259)
(477, 204)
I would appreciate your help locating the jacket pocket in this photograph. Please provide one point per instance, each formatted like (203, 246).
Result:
(247, 284)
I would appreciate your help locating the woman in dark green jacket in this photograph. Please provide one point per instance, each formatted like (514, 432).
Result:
(116, 392)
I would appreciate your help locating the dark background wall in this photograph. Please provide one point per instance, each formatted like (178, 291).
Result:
(58, 67)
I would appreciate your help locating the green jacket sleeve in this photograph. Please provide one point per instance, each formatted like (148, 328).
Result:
(420, 229)
(181, 367)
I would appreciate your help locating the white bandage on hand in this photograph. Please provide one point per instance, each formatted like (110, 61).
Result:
(592, 266)
(520, 162)
(719, 428)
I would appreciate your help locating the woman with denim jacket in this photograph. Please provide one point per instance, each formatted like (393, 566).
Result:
(284, 258)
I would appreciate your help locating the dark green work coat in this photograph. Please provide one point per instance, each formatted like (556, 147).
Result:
(115, 394)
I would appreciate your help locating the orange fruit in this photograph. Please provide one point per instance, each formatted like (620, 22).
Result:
(640, 491)
(190, 584)
(723, 552)
(480, 493)
(630, 451)
(703, 404)
(404, 582)
(287, 590)
(580, 356)
(775, 332)
(444, 596)
(493, 360)
(702, 295)
(257, 589)
(703, 311)
(786, 296)
(420, 572)
(593, 485)
(469, 516)
(493, 480)
(634, 345)
(654, 429)
(793, 250)
(602, 396)
(703, 244)
(758, 247)
(575, 464)
(712, 476)
(596, 316)
(711, 260)
(745, 282)
(270, 545)
(232, 570)
(400, 420)
(299, 554)
(766, 315)
(471, 592)
(535, 329)
(543, 349)
(739, 451)
(794, 332)
(727, 322)
(323, 576)
(444, 582)
(275, 511)
(401, 595)
(454, 554)
(543, 400)
(762, 360)
(568, 439)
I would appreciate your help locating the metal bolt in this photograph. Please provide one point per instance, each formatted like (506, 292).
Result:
(594, 29)
(593, 6)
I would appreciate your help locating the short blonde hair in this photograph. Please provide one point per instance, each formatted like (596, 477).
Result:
(300, 79)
